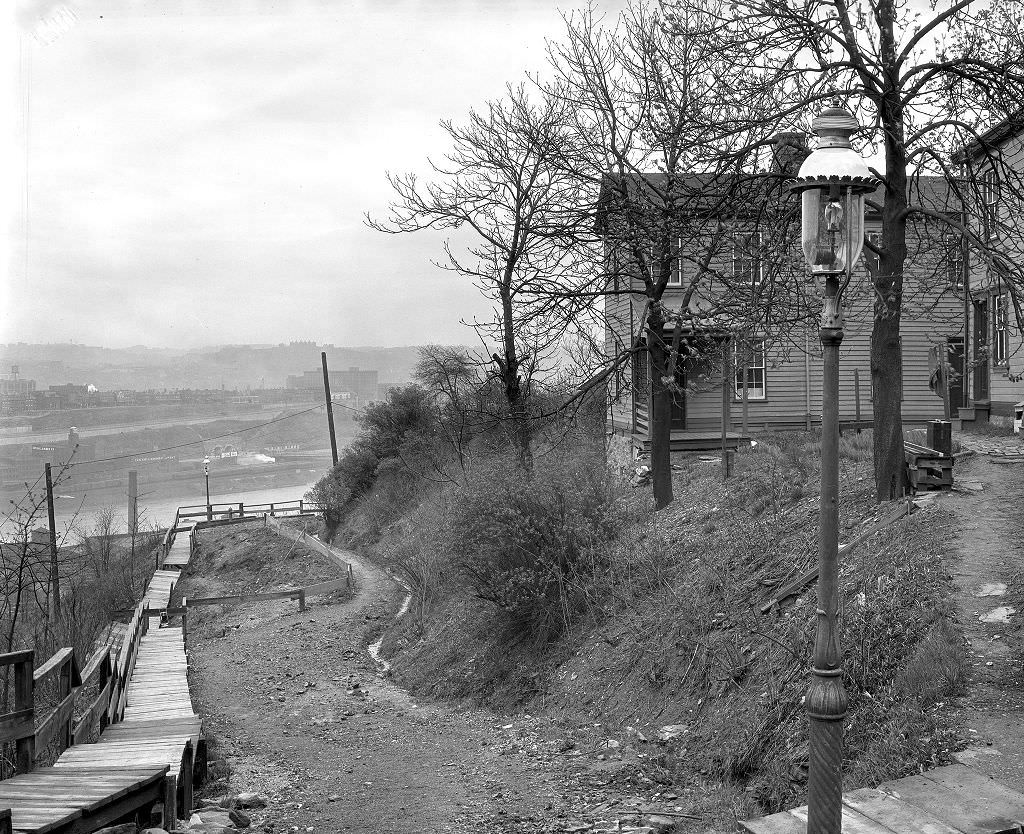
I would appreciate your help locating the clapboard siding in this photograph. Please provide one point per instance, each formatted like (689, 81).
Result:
(933, 313)
(1005, 387)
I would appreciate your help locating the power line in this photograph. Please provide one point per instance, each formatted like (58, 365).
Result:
(201, 440)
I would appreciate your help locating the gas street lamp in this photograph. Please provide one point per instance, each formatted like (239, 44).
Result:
(206, 470)
(832, 183)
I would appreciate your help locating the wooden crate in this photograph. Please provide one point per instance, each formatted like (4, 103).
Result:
(928, 468)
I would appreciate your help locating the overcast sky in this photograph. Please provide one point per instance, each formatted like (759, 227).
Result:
(196, 171)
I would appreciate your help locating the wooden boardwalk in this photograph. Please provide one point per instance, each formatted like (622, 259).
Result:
(146, 747)
(160, 729)
(947, 800)
(148, 731)
(180, 551)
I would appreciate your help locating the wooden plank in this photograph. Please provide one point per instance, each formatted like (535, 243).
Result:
(853, 822)
(967, 813)
(895, 814)
(53, 723)
(781, 823)
(57, 660)
(10, 658)
(17, 724)
(795, 586)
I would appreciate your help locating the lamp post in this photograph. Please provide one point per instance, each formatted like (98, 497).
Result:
(206, 470)
(832, 183)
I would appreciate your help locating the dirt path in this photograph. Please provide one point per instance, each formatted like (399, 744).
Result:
(301, 715)
(990, 521)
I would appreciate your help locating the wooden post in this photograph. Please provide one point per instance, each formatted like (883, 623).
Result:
(746, 398)
(24, 698)
(300, 506)
(54, 579)
(302, 600)
(944, 376)
(726, 461)
(105, 675)
(64, 688)
(856, 396)
(241, 509)
(184, 623)
(187, 763)
(133, 501)
(170, 802)
(271, 508)
(330, 409)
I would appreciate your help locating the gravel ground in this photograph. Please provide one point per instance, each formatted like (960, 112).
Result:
(989, 509)
(301, 714)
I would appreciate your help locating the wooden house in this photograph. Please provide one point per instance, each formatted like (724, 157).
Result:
(994, 371)
(779, 358)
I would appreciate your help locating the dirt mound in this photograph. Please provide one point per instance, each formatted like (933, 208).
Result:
(251, 559)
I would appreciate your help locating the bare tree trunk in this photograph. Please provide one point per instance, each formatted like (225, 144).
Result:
(514, 394)
(661, 412)
(886, 358)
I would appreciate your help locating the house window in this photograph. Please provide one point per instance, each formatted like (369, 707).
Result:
(1000, 320)
(676, 278)
(751, 355)
(989, 186)
(747, 267)
(953, 259)
(675, 275)
(870, 258)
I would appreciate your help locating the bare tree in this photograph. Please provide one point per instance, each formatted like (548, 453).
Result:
(674, 195)
(501, 182)
(928, 81)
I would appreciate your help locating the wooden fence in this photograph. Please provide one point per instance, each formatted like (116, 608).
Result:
(31, 738)
(312, 542)
(197, 516)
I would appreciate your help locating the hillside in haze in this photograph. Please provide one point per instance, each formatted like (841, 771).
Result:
(230, 366)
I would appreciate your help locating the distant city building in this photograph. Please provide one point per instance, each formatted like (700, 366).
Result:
(361, 383)
(16, 394)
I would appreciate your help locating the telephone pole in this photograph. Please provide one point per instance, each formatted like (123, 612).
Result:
(133, 502)
(330, 409)
(54, 580)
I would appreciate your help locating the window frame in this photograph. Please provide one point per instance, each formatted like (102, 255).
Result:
(999, 310)
(675, 275)
(755, 278)
(953, 258)
(989, 185)
(872, 262)
(758, 350)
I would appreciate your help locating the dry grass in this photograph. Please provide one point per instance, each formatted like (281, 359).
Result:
(672, 632)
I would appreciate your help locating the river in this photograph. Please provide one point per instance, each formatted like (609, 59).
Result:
(158, 501)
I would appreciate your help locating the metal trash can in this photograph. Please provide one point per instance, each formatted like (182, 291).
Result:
(1018, 417)
(940, 436)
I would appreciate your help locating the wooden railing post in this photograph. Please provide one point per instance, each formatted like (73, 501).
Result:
(170, 802)
(271, 508)
(106, 673)
(241, 509)
(300, 506)
(24, 699)
(302, 600)
(187, 765)
(65, 690)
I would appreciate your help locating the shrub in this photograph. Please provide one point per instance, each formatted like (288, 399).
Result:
(528, 543)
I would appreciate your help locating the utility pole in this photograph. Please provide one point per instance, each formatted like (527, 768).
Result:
(133, 502)
(330, 409)
(54, 580)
